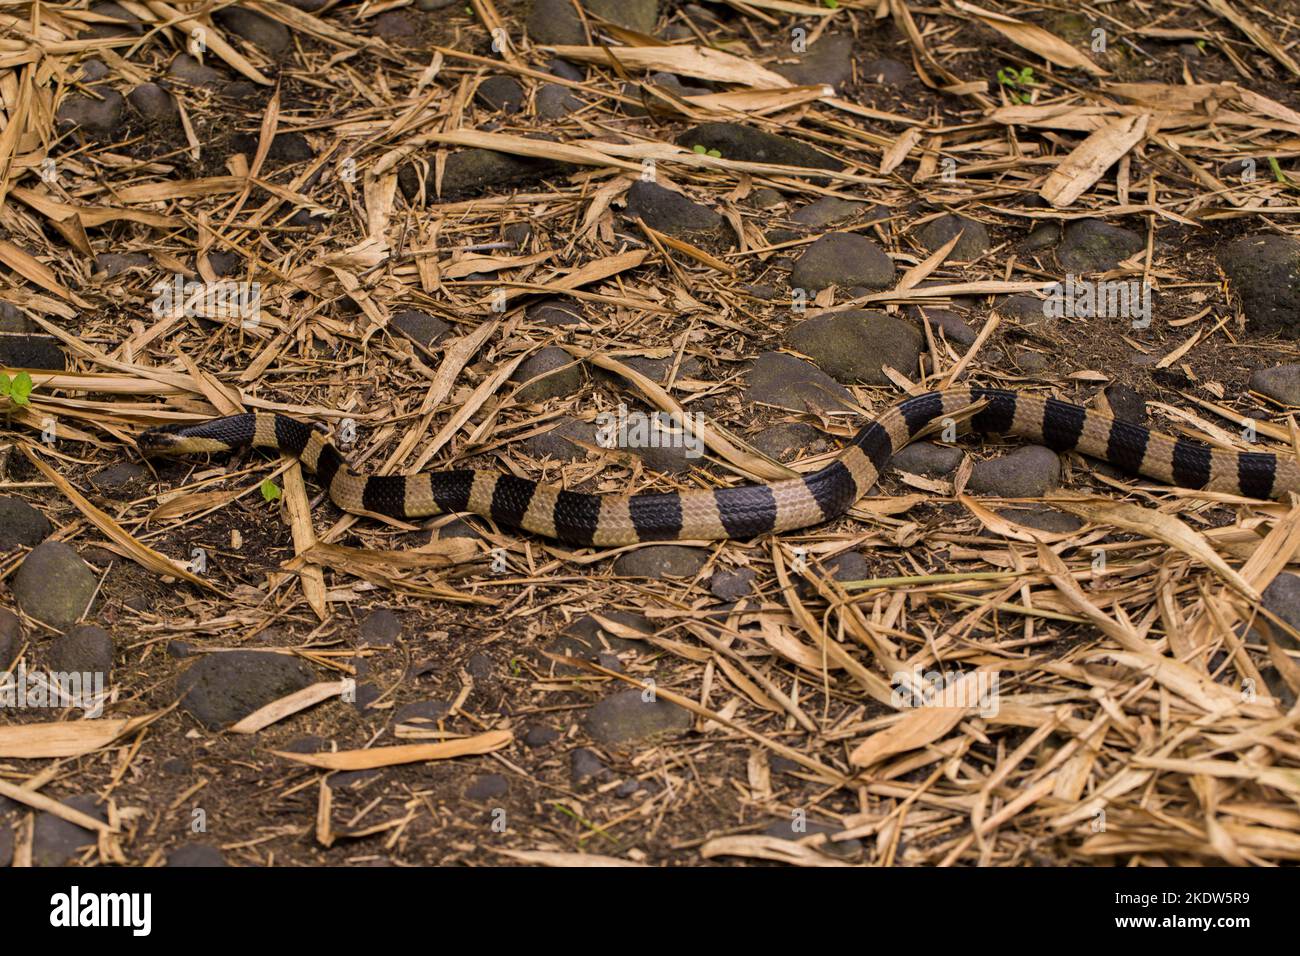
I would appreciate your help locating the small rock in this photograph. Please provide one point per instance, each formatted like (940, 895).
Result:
(563, 68)
(196, 855)
(586, 638)
(1024, 309)
(122, 480)
(555, 443)
(842, 849)
(782, 380)
(1028, 472)
(1090, 245)
(269, 35)
(1282, 598)
(55, 841)
(540, 735)
(518, 234)
(488, 786)
(221, 688)
(555, 101)
(974, 241)
(502, 93)
(952, 325)
(395, 27)
(85, 649)
(927, 458)
(789, 440)
(732, 585)
(661, 561)
(638, 15)
(22, 524)
(828, 61)
(100, 114)
(153, 103)
(555, 23)
(428, 711)
(1029, 361)
(239, 91)
(1042, 237)
(305, 219)
(1043, 519)
(1264, 272)
(129, 24)
(1122, 402)
(472, 172)
(380, 627)
(92, 71)
(366, 694)
(186, 69)
(285, 147)
(11, 637)
(853, 346)
(113, 264)
(747, 144)
(624, 718)
(765, 197)
(225, 262)
(555, 312)
(842, 259)
(54, 585)
(1280, 383)
(420, 327)
(826, 211)
(563, 376)
(672, 213)
(585, 764)
(849, 566)
(481, 668)
(675, 86)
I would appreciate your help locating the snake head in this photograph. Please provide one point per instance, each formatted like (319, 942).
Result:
(173, 440)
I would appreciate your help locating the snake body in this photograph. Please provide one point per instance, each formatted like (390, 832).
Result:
(742, 511)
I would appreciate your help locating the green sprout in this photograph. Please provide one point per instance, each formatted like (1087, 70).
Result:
(833, 4)
(1015, 81)
(18, 389)
(699, 148)
(270, 491)
(1201, 45)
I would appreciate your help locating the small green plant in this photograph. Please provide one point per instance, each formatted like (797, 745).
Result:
(833, 4)
(699, 148)
(1017, 82)
(270, 491)
(18, 389)
(1202, 45)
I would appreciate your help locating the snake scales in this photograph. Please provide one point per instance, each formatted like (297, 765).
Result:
(744, 510)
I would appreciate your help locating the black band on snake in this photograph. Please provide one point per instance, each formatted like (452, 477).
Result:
(747, 510)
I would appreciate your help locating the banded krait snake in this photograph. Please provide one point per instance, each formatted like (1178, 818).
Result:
(744, 510)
